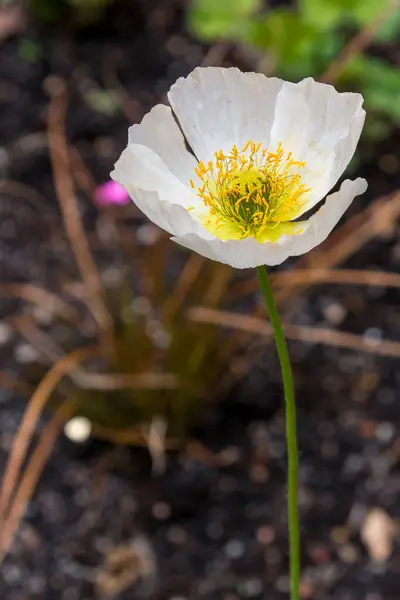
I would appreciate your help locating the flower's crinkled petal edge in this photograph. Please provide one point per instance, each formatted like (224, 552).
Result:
(321, 126)
(326, 218)
(335, 123)
(219, 107)
(250, 253)
(160, 132)
(156, 191)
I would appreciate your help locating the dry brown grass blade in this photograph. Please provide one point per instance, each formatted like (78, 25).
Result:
(359, 42)
(52, 353)
(218, 284)
(152, 268)
(76, 289)
(377, 220)
(43, 343)
(133, 436)
(122, 381)
(49, 350)
(316, 276)
(59, 155)
(342, 276)
(138, 436)
(216, 54)
(328, 337)
(23, 437)
(188, 276)
(31, 475)
(81, 173)
(47, 300)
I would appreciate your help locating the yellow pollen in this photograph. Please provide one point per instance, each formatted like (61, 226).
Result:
(250, 191)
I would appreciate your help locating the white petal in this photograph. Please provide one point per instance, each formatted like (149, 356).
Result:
(239, 254)
(173, 218)
(321, 224)
(249, 253)
(160, 132)
(219, 107)
(156, 191)
(140, 167)
(335, 123)
(321, 127)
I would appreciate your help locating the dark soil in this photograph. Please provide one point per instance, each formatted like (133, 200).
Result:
(201, 530)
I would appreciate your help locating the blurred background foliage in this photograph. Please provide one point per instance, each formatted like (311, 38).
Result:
(83, 10)
(128, 312)
(102, 306)
(292, 40)
(304, 38)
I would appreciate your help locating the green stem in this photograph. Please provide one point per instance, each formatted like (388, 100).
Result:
(291, 435)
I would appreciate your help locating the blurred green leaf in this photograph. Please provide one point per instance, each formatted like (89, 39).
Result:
(323, 14)
(211, 19)
(327, 14)
(378, 81)
(281, 31)
(366, 11)
(300, 49)
(390, 30)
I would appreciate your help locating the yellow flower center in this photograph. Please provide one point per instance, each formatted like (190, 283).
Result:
(252, 192)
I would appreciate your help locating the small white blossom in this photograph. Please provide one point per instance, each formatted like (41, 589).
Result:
(238, 158)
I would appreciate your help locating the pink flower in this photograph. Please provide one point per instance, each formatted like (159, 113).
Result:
(111, 193)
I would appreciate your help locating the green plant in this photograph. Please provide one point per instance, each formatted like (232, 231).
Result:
(145, 358)
(173, 365)
(303, 40)
(82, 10)
(225, 19)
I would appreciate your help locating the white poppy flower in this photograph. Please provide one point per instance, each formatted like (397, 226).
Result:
(239, 158)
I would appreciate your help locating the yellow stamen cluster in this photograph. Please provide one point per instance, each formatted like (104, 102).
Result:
(251, 189)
